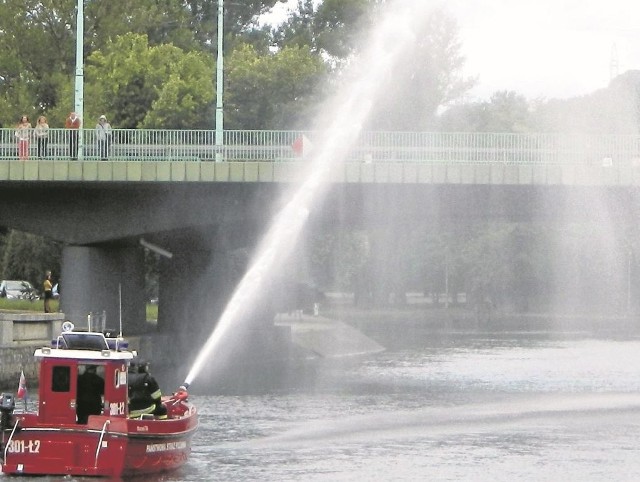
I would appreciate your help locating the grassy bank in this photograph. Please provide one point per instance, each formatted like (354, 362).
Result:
(26, 305)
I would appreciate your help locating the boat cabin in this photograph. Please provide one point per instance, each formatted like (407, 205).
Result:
(83, 374)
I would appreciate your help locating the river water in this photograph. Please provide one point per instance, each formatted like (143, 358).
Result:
(521, 406)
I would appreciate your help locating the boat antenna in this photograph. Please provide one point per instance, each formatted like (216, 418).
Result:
(120, 307)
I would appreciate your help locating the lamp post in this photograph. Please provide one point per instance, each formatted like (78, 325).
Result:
(79, 78)
(219, 83)
(629, 259)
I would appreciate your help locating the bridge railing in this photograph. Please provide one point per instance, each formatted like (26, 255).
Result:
(276, 146)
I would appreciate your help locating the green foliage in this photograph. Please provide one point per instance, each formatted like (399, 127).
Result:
(270, 91)
(427, 78)
(37, 41)
(239, 20)
(139, 85)
(161, 21)
(338, 260)
(37, 58)
(506, 111)
(329, 29)
(28, 257)
(337, 24)
(517, 266)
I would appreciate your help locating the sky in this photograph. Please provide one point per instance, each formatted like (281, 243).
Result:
(543, 48)
(547, 48)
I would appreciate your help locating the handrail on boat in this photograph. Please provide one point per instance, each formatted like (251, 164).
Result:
(104, 429)
(6, 447)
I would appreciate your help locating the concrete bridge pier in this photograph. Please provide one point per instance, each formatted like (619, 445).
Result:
(107, 278)
(196, 284)
(193, 285)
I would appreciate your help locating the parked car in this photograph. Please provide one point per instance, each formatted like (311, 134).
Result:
(18, 290)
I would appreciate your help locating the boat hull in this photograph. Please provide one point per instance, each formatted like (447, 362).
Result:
(104, 447)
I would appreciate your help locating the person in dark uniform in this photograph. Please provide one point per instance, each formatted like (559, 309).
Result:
(145, 396)
(90, 393)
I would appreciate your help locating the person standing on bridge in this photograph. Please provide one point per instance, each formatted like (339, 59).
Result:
(23, 132)
(73, 124)
(41, 132)
(103, 137)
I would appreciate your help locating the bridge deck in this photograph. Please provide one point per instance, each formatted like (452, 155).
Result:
(293, 171)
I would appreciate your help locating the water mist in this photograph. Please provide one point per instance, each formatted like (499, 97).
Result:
(365, 81)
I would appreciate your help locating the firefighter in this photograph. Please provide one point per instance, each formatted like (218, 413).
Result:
(145, 396)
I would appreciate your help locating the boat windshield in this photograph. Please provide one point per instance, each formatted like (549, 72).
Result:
(85, 341)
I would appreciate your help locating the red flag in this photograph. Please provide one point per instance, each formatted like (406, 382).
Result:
(22, 387)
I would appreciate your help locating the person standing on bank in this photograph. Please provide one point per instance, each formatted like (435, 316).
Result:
(47, 288)
(23, 132)
(73, 124)
(41, 132)
(103, 136)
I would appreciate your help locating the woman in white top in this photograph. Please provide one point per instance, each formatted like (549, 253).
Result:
(41, 132)
(23, 132)
(103, 136)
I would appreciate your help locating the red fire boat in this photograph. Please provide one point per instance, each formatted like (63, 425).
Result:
(54, 440)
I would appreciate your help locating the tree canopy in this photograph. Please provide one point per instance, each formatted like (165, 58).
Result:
(151, 63)
(271, 91)
(150, 86)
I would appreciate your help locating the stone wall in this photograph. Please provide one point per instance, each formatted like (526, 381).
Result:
(13, 360)
(20, 335)
(29, 328)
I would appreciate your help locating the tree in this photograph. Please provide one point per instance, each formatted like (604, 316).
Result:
(273, 91)
(37, 59)
(614, 110)
(506, 111)
(150, 86)
(27, 257)
(330, 29)
(37, 41)
(428, 78)
(162, 21)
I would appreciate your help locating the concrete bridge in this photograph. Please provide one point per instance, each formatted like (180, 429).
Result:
(200, 210)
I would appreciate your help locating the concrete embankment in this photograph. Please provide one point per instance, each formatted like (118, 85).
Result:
(326, 337)
(20, 334)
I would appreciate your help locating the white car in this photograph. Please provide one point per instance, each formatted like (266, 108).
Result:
(18, 290)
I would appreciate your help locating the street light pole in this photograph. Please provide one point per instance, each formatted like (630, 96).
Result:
(79, 79)
(629, 259)
(219, 82)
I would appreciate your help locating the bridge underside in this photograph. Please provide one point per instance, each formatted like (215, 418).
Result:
(101, 226)
(204, 226)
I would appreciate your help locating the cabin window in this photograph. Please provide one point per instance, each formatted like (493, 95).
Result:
(61, 379)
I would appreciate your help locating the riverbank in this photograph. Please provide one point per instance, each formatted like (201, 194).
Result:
(458, 318)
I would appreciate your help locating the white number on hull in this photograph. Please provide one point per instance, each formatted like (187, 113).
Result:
(24, 446)
(116, 408)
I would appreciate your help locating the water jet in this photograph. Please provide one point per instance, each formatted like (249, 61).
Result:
(338, 129)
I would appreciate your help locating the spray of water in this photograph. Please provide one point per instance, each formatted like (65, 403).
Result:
(366, 81)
